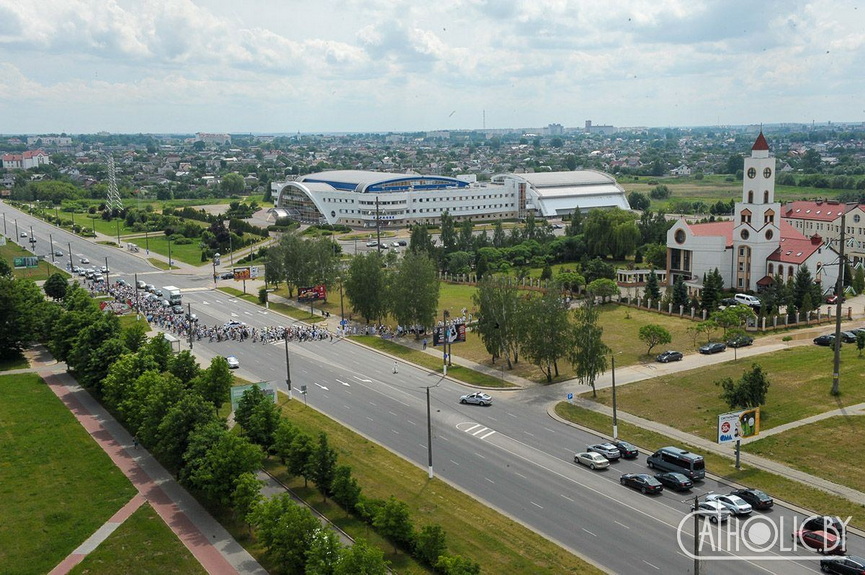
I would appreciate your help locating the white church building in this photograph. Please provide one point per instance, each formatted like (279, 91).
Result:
(755, 245)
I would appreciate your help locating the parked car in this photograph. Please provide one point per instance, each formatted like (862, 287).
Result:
(711, 510)
(675, 481)
(714, 347)
(849, 565)
(592, 460)
(728, 301)
(642, 481)
(477, 398)
(626, 450)
(755, 497)
(740, 341)
(227, 276)
(848, 337)
(833, 299)
(608, 450)
(735, 504)
(830, 523)
(827, 339)
(669, 355)
(394, 245)
(820, 541)
(233, 363)
(402, 243)
(746, 299)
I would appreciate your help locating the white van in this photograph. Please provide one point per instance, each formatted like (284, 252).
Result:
(746, 299)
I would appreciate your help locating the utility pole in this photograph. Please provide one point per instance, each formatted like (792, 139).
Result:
(429, 433)
(71, 263)
(615, 421)
(191, 323)
(839, 290)
(287, 363)
(51, 241)
(377, 227)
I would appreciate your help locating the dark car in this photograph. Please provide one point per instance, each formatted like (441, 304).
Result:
(608, 450)
(675, 481)
(848, 337)
(830, 523)
(642, 481)
(850, 565)
(827, 339)
(821, 541)
(740, 341)
(627, 450)
(727, 301)
(177, 309)
(714, 347)
(755, 497)
(227, 276)
(833, 299)
(669, 356)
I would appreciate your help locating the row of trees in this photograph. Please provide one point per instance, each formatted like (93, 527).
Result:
(290, 533)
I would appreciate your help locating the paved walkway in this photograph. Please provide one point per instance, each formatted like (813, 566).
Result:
(213, 547)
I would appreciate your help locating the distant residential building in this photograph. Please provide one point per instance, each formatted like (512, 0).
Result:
(49, 141)
(598, 129)
(555, 130)
(213, 139)
(823, 218)
(26, 160)
(682, 170)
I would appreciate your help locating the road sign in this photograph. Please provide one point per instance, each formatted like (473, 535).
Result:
(25, 262)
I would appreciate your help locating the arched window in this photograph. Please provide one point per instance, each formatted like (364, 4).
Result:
(789, 271)
(750, 196)
(766, 197)
(771, 269)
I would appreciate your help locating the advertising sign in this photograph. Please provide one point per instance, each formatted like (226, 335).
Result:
(25, 262)
(242, 274)
(453, 333)
(737, 425)
(312, 293)
(267, 389)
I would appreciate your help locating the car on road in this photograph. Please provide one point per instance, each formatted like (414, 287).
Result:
(849, 565)
(402, 243)
(820, 541)
(394, 244)
(232, 323)
(833, 299)
(177, 309)
(227, 276)
(735, 504)
(830, 523)
(711, 510)
(757, 498)
(140, 284)
(85, 261)
(592, 460)
(714, 347)
(827, 339)
(740, 341)
(669, 355)
(608, 450)
(58, 253)
(675, 481)
(75, 269)
(233, 363)
(104, 269)
(23, 234)
(477, 398)
(642, 481)
(82, 272)
(626, 450)
(372, 244)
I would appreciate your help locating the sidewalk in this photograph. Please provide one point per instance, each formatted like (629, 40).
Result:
(213, 547)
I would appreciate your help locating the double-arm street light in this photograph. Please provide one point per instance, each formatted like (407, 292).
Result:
(215, 263)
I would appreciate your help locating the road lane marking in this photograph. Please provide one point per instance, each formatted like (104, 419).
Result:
(490, 480)
(320, 385)
(454, 462)
(568, 498)
(589, 532)
(536, 505)
(650, 565)
(622, 524)
(487, 434)
(344, 383)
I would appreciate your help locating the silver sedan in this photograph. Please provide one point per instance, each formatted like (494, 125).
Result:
(478, 398)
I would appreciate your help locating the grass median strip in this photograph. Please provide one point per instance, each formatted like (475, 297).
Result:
(775, 485)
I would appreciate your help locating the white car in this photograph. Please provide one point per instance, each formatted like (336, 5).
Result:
(478, 398)
(592, 460)
(232, 323)
(85, 261)
(232, 362)
(735, 504)
(712, 510)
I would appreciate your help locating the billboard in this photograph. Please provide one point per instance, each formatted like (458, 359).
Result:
(25, 262)
(453, 333)
(242, 274)
(737, 425)
(312, 293)
(266, 388)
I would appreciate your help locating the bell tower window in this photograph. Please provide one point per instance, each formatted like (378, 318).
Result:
(750, 196)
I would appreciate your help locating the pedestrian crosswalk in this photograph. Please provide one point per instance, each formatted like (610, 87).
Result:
(478, 430)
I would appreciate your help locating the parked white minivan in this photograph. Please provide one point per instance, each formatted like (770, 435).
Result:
(746, 299)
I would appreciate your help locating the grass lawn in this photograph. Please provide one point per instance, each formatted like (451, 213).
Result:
(19, 362)
(776, 485)
(186, 253)
(497, 543)
(800, 379)
(805, 448)
(58, 486)
(41, 272)
(143, 544)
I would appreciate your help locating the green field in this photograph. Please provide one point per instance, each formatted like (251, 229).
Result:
(800, 380)
(58, 485)
(45, 268)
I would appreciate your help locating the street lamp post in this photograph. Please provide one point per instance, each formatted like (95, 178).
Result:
(106, 273)
(4, 224)
(191, 323)
(287, 363)
(839, 291)
(146, 240)
(429, 434)
(169, 252)
(615, 420)
(32, 241)
(215, 263)
(341, 308)
(16, 228)
(71, 264)
(445, 315)
(51, 242)
(118, 232)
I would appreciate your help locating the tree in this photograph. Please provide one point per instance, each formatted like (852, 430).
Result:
(324, 553)
(366, 286)
(731, 317)
(282, 439)
(361, 559)
(430, 544)
(466, 240)
(420, 241)
(246, 497)
(214, 383)
(749, 391)
(323, 466)
(232, 184)
(655, 255)
(859, 280)
(392, 520)
(297, 461)
(286, 530)
(414, 291)
(448, 233)
(55, 286)
(457, 565)
(680, 294)
(134, 336)
(653, 334)
(860, 341)
(713, 285)
(184, 366)
(215, 460)
(652, 292)
(603, 288)
(171, 438)
(545, 331)
(588, 353)
(639, 201)
(345, 489)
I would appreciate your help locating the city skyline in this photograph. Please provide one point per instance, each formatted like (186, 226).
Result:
(178, 66)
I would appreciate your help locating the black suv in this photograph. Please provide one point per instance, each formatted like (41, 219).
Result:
(755, 497)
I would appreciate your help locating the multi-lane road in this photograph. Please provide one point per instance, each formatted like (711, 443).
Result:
(511, 455)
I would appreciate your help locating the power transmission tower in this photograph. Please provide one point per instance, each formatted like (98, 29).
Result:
(113, 202)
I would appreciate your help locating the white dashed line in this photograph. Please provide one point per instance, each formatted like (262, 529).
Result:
(589, 532)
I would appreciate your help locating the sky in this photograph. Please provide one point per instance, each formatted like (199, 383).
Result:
(285, 66)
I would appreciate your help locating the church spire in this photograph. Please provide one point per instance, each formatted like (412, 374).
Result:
(760, 144)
